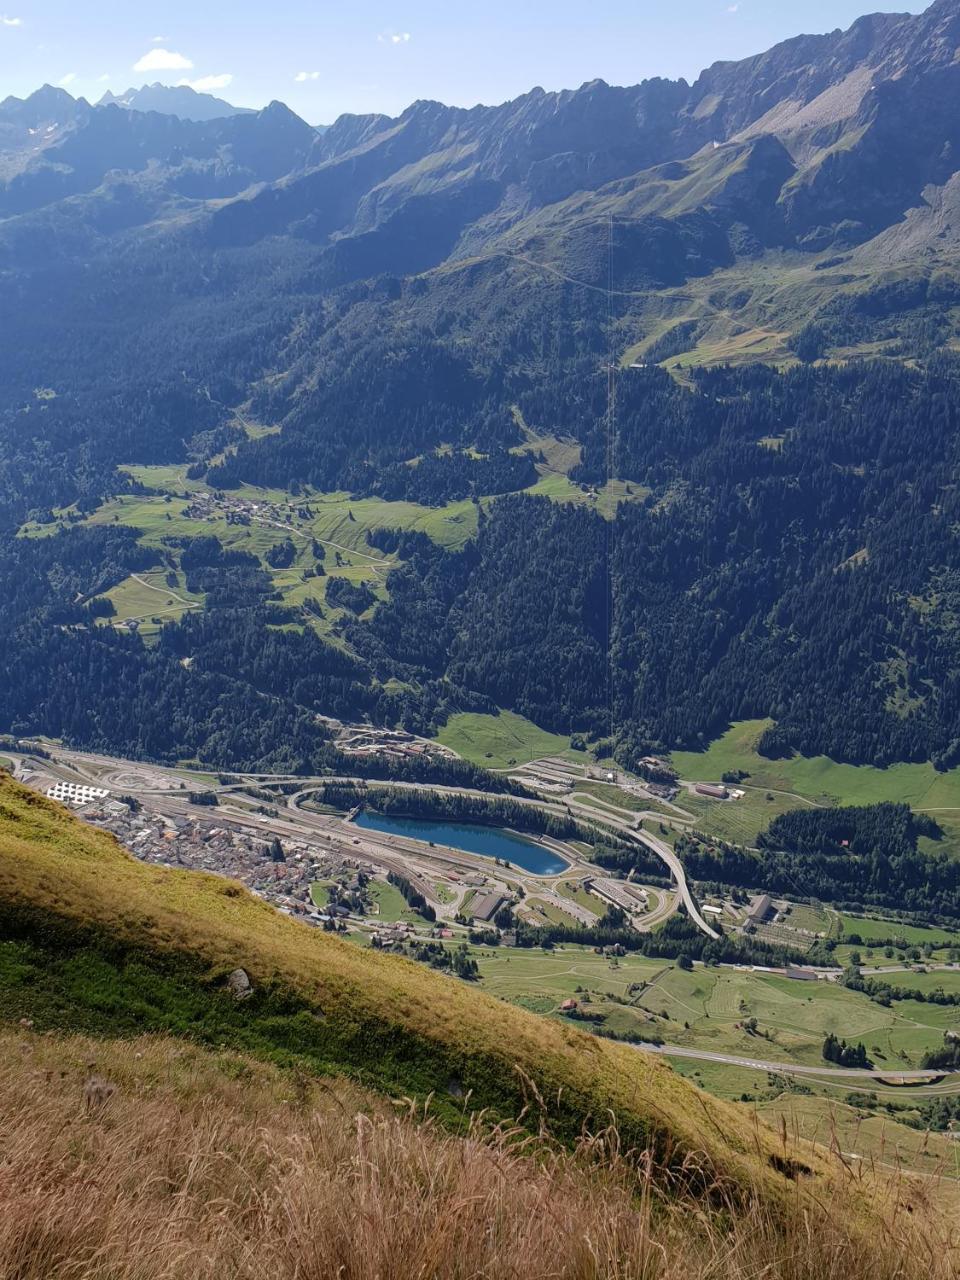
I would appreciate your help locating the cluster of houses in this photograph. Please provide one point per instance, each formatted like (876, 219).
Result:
(211, 844)
(207, 505)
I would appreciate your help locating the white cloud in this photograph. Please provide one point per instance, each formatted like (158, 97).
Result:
(206, 83)
(10, 22)
(303, 76)
(394, 37)
(67, 79)
(104, 79)
(163, 60)
(159, 39)
(733, 8)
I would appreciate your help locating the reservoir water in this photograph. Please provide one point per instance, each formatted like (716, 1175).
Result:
(470, 837)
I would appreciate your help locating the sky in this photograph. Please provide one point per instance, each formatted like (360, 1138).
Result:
(323, 59)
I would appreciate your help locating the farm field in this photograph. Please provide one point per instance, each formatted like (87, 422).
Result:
(706, 1008)
(870, 927)
(872, 1137)
(605, 499)
(148, 599)
(820, 1112)
(739, 821)
(542, 980)
(392, 904)
(547, 911)
(948, 979)
(500, 741)
(819, 779)
(813, 919)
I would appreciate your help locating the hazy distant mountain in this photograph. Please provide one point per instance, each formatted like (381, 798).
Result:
(835, 156)
(772, 192)
(53, 147)
(170, 100)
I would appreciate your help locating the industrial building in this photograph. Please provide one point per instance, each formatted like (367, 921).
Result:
(618, 893)
(715, 790)
(486, 905)
(76, 793)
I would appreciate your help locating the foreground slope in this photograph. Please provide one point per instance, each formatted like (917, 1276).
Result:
(212, 1164)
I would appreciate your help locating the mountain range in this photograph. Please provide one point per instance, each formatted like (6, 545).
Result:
(810, 189)
(432, 307)
(173, 100)
(842, 144)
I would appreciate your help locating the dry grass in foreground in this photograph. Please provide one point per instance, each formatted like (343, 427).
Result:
(206, 1165)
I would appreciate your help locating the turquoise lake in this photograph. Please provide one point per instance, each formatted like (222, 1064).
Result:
(470, 837)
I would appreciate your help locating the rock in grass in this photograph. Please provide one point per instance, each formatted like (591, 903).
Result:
(239, 984)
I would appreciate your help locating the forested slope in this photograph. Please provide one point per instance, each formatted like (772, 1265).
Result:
(423, 309)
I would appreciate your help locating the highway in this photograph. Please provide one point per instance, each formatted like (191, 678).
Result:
(663, 852)
(797, 1069)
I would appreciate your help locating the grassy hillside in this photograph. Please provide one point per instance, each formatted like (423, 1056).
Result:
(706, 1009)
(498, 742)
(206, 1163)
(818, 778)
(98, 940)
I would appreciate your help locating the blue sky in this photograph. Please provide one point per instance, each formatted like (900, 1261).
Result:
(323, 59)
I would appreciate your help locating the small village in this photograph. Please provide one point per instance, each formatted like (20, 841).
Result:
(281, 874)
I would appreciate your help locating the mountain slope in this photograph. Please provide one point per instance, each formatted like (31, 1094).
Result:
(449, 289)
(213, 1163)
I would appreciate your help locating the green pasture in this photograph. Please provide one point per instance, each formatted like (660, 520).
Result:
(819, 779)
(706, 1008)
(879, 929)
(391, 903)
(147, 596)
(935, 979)
(613, 797)
(500, 741)
(873, 1136)
(547, 911)
(813, 919)
(737, 821)
(792, 1017)
(516, 973)
(320, 894)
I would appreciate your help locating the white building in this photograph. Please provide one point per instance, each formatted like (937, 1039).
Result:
(76, 793)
